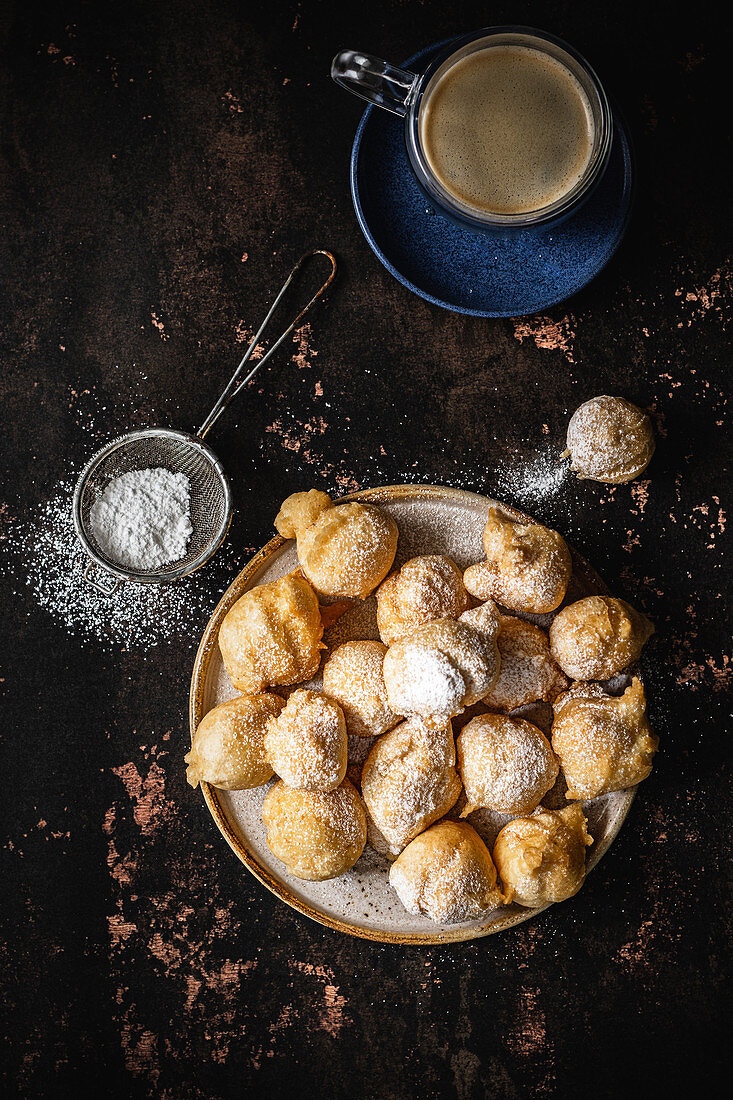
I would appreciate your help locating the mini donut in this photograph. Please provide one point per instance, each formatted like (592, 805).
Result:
(528, 672)
(317, 835)
(604, 743)
(352, 676)
(444, 666)
(541, 859)
(506, 764)
(423, 590)
(409, 780)
(306, 743)
(272, 635)
(227, 749)
(609, 440)
(345, 550)
(597, 637)
(527, 566)
(447, 874)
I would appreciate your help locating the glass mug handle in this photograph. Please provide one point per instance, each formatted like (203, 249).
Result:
(374, 80)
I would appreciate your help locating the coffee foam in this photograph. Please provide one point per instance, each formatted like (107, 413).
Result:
(507, 129)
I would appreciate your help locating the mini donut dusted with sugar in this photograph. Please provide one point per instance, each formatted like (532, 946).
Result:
(609, 440)
(353, 677)
(527, 566)
(447, 874)
(541, 859)
(272, 635)
(528, 672)
(409, 780)
(344, 549)
(604, 742)
(597, 637)
(306, 743)
(317, 835)
(444, 666)
(506, 764)
(228, 749)
(425, 589)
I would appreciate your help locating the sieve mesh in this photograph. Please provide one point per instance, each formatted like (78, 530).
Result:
(179, 453)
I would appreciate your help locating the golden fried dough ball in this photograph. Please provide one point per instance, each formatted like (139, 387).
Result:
(444, 666)
(227, 749)
(527, 568)
(343, 549)
(409, 780)
(272, 635)
(528, 672)
(604, 743)
(317, 835)
(423, 590)
(447, 873)
(306, 743)
(352, 676)
(300, 511)
(597, 637)
(506, 764)
(541, 859)
(610, 440)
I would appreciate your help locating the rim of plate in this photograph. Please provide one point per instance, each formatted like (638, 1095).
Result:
(207, 646)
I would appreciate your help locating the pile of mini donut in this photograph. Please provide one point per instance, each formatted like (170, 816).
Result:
(446, 646)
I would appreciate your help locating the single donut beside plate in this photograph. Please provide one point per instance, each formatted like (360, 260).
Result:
(609, 440)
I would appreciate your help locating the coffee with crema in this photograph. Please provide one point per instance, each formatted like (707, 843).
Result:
(507, 129)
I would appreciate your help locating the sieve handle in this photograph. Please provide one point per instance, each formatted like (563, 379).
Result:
(235, 384)
(106, 590)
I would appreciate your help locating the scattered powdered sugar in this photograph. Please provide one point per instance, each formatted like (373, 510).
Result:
(43, 555)
(142, 520)
(535, 481)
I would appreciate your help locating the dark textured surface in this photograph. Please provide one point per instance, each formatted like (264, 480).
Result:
(147, 150)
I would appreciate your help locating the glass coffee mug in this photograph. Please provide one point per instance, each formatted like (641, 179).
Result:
(563, 125)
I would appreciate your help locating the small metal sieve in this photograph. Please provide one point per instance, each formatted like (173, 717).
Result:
(179, 452)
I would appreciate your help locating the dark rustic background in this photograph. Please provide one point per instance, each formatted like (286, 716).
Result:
(163, 164)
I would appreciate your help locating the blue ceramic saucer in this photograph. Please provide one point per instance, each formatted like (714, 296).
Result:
(483, 274)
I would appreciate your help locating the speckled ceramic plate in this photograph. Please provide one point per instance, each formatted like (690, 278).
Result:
(431, 519)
